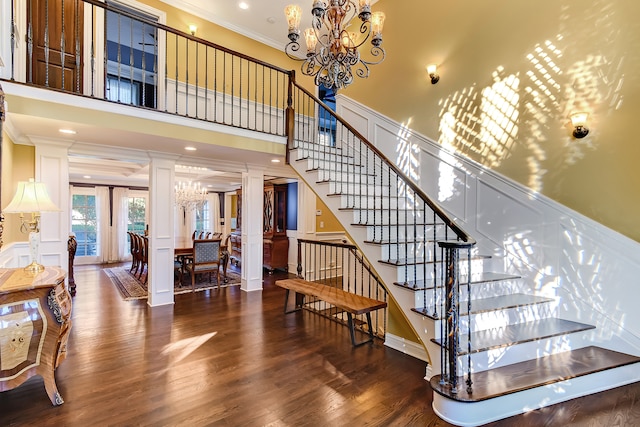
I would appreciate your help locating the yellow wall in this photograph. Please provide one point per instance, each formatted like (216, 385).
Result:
(327, 219)
(18, 164)
(518, 69)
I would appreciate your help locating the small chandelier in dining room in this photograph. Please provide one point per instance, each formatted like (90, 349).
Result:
(332, 50)
(190, 195)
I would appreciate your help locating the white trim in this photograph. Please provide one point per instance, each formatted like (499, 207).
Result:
(407, 347)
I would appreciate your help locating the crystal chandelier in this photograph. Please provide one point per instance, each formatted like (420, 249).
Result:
(190, 195)
(332, 51)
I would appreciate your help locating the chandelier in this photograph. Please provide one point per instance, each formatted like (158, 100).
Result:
(190, 195)
(332, 51)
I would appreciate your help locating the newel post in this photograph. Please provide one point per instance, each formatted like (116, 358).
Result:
(290, 114)
(299, 268)
(451, 334)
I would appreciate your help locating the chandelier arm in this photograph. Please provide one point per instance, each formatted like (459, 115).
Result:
(375, 52)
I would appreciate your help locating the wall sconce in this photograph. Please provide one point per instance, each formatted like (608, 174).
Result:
(31, 197)
(579, 122)
(433, 75)
(192, 29)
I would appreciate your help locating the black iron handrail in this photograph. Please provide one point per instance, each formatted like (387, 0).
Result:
(349, 272)
(227, 87)
(358, 171)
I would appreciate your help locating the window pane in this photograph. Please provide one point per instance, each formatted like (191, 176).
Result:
(202, 217)
(84, 224)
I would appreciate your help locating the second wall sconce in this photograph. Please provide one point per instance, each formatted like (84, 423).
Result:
(192, 29)
(433, 75)
(579, 123)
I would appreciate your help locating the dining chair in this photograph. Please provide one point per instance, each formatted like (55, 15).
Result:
(206, 259)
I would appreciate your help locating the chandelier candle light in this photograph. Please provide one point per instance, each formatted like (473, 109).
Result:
(332, 51)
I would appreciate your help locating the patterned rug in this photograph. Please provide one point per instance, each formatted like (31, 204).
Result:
(131, 288)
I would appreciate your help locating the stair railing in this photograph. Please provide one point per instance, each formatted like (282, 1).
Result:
(103, 51)
(340, 264)
(416, 232)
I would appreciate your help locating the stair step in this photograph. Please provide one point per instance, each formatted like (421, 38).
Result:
(519, 333)
(489, 304)
(413, 261)
(485, 277)
(535, 373)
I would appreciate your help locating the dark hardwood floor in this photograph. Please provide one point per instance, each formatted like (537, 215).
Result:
(229, 358)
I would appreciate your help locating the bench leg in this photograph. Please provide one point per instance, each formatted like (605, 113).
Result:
(352, 330)
(297, 303)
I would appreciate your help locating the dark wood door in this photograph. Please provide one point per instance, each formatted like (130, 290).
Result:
(57, 40)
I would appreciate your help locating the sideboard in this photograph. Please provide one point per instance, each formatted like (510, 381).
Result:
(35, 320)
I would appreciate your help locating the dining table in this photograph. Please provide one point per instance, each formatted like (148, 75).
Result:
(183, 255)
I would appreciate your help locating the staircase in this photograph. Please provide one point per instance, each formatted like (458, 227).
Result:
(495, 348)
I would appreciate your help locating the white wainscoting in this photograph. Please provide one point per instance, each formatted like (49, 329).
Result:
(591, 270)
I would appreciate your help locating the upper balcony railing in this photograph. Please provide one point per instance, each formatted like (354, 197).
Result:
(111, 52)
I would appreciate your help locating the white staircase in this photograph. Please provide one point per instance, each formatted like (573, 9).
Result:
(521, 355)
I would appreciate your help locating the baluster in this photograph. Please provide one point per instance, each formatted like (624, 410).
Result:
(77, 36)
(29, 42)
(62, 47)
(144, 66)
(46, 43)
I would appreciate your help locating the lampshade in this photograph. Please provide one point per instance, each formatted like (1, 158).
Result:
(31, 196)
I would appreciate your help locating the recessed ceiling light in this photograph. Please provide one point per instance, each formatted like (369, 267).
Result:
(271, 20)
(275, 160)
(189, 148)
(87, 176)
(67, 131)
(243, 5)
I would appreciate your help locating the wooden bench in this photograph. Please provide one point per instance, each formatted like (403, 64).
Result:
(349, 302)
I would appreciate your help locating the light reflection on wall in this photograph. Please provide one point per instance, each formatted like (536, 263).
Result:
(407, 159)
(480, 124)
(407, 153)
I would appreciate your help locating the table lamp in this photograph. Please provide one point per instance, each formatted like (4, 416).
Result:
(31, 197)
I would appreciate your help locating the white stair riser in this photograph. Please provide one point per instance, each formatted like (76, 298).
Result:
(500, 318)
(340, 176)
(520, 352)
(398, 216)
(353, 201)
(403, 233)
(359, 189)
(478, 291)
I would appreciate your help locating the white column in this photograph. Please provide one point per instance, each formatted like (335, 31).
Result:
(161, 229)
(252, 229)
(52, 168)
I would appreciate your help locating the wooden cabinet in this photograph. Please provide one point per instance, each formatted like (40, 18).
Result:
(275, 241)
(35, 320)
(274, 227)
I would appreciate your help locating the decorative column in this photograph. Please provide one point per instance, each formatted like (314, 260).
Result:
(2, 116)
(52, 168)
(161, 229)
(252, 229)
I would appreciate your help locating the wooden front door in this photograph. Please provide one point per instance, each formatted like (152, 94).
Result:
(54, 56)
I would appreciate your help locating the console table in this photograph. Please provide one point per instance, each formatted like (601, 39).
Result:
(35, 320)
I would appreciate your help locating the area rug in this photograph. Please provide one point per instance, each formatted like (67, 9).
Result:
(131, 288)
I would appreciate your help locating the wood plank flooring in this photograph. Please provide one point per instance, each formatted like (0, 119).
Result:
(229, 358)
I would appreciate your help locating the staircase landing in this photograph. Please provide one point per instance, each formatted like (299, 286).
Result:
(525, 386)
(535, 373)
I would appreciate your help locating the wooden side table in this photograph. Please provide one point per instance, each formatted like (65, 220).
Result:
(35, 320)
